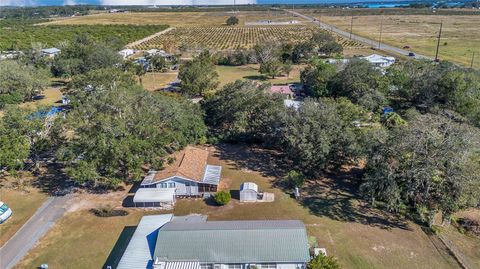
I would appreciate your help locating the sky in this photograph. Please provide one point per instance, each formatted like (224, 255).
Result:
(167, 2)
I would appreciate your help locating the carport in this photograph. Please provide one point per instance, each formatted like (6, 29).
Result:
(154, 197)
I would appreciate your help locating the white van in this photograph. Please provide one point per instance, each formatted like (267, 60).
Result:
(5, 212)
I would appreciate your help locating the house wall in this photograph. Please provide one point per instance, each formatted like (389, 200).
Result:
(259, 266)
(182, 186)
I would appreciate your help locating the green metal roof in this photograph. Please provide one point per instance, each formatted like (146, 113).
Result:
(233, 242)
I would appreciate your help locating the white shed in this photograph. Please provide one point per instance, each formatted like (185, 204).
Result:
(248, 192)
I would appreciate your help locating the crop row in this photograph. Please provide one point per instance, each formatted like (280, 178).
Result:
(226, 38)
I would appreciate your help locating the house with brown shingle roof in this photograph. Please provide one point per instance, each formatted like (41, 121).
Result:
(189, 174)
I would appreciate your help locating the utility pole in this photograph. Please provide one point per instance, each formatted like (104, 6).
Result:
(438, 41)
(351, 28)
(381, 28)
(473, 57)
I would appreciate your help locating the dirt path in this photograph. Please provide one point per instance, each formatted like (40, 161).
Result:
(138, 42)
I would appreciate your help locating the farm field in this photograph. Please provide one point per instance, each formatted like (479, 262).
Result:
(23, 203)
(176, 19)
(22, 36)
(460, 34)
(229, 74)
(231, 38)
(359, 236)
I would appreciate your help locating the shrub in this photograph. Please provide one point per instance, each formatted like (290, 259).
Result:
(222, 197)
(295, 179)
(232, 20)
(108, 211)
(323, 262)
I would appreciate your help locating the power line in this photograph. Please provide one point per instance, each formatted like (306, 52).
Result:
(351, 28)
(381, 28)
(438, 41)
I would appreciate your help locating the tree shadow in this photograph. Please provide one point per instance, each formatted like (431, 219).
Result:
(120, 247)
(334, 195)
(54, 181)
(269, 163)
(256, 77)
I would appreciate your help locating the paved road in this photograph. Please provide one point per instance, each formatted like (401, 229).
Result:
(370, 42)
(25, 238)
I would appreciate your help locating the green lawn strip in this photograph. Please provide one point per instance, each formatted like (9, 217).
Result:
(23, 204)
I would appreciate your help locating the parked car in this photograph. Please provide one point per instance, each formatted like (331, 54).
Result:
(406, 47)
(411, 54)
(5, 212)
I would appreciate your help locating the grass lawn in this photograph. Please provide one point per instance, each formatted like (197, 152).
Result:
(23, 204)
(82, 240)
(359, 236)
(460, 34)
(229, 74)
(156, 81)
(51, 96)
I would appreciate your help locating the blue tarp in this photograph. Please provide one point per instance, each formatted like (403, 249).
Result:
(47, 113)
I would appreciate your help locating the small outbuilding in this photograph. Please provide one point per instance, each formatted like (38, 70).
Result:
(50, 52)
(248, 192)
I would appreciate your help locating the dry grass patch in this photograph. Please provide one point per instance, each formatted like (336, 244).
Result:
(229, 74)
(215, 18)
(23, 203)
(460, 34)
(154, 81)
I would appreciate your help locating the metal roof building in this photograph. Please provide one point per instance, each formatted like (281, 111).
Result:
(142, 244)
(154, 197)
(233, 242)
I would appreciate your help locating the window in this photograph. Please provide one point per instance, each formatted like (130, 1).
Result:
(172, 185)
(235, 266)
(163, 185)
(268, 266)
(206, 266)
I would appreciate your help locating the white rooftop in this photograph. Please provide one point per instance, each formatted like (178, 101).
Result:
(375, 58)
(51, 50)
(140, 249)
(154, 195)
(249, 186)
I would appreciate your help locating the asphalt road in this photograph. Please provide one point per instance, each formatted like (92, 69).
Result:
(369, 42)
(25, 238)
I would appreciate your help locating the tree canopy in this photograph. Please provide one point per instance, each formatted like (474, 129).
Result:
(198, 76)
(242, 111)
(431, 164)
(116, 128)
(19, 83)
